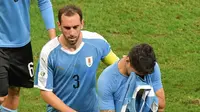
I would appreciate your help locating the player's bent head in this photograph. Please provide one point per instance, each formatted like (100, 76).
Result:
(142, 58)
(70, 10)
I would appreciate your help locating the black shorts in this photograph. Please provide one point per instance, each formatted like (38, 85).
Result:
(16, 68)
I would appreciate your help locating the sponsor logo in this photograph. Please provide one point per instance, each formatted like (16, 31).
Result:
(43, 60)
(60, 68)
(42, 73)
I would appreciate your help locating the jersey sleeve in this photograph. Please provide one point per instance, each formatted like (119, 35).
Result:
(106, 100)
(47, 13)
(103, 45)
(108, 57)
(156, 78)
(104, 49)
(44, 73)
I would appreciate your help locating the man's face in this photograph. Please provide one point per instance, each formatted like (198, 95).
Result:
(130, 68)
(70, 27)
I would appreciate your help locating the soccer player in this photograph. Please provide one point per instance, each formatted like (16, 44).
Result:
(66, 74)
(16, 62)
(142, 61)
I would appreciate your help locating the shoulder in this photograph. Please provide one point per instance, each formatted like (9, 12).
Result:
(156, 66)
(109, 72)
(156, 75)
(87, 35)
(97, 41)
(107, 76)
(156, 69)
(106, 82)
(49, 46)
(110, 77)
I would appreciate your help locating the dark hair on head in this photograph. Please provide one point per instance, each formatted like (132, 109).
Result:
(142, 58)
(70, 10)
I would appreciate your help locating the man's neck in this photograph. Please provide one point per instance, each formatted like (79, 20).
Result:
(67, 46)
(121, 67)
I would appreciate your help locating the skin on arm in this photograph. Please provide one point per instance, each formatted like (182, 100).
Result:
(161, 99)
(46, 10)
(50, 98)
(156, 79)
(52, 33)
(110, 58)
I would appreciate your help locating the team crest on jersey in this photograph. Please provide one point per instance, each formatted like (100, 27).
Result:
(89, 61)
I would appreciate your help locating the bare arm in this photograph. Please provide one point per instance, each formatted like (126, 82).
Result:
(107, 110)
(52, 33)
(50, 98)
(161, 99)
(46, 10)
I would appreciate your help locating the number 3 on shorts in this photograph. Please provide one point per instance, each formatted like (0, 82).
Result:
(30, 69)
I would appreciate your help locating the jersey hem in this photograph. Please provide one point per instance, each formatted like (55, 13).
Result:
(15, 45)
(42, 88)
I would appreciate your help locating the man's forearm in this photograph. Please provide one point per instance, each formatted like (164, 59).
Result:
(160, 110)
(161, 99)
(161, 105)
(52, 33)
(50, 98)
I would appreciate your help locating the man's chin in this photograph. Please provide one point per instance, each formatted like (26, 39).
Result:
(72, 42)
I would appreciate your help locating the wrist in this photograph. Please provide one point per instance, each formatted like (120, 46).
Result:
(160, 110)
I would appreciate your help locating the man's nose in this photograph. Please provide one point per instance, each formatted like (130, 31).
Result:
(71, 31)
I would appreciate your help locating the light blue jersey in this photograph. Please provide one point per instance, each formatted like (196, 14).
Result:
(111, 84)
(72, 75)
(138, 95)
(15, 21)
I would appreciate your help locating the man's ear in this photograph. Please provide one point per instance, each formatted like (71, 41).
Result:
(59, 25)
(82, 24)
(124, 56)
(127, 59)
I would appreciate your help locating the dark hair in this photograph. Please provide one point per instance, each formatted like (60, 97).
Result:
(69, 10)
(142, 58)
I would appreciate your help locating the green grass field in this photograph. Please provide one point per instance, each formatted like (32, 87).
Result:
(172, 27)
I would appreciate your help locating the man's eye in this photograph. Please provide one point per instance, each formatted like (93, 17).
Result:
(75, 27)
(67, 28)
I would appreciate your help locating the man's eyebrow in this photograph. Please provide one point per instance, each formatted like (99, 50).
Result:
(69, 27)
